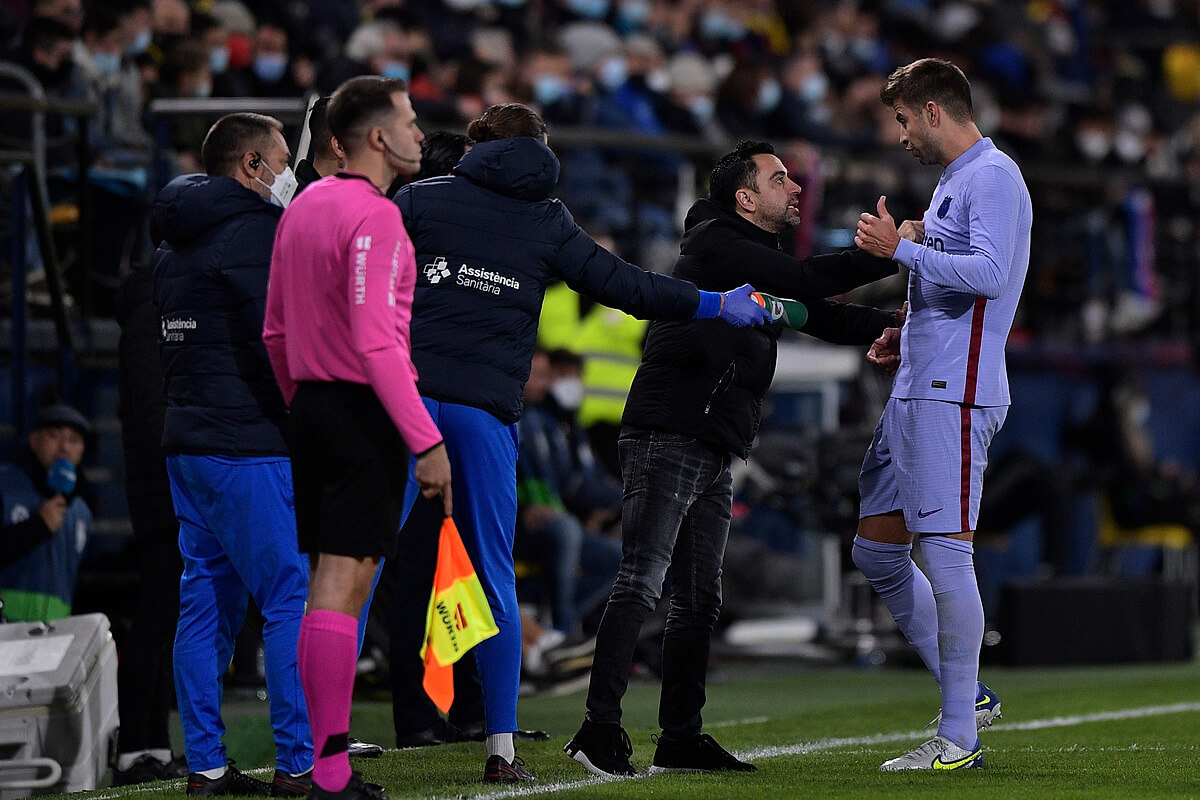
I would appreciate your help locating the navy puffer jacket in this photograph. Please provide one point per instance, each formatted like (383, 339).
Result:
(210, 291)
(489, 239)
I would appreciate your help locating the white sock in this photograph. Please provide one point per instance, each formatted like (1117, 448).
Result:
(501, 744)
(125, 760)
(213, 774)
(163, 754)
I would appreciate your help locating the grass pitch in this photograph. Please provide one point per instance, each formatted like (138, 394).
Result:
(1111, 732)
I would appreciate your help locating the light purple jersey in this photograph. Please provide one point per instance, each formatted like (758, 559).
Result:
(965, 281)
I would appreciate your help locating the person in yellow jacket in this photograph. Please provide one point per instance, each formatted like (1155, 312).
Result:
(610, 342)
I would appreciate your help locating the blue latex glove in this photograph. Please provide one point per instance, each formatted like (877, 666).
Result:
(740, 310)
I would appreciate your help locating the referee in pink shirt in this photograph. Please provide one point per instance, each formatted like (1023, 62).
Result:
(337, 332)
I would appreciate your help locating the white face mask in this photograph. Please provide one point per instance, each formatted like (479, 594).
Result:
(284, 187)
(568, 393)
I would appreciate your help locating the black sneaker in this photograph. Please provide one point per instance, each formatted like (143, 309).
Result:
(497, 770)
(145, 769)
(701, 753)
(285, 785)
(356, 748)
(176, 767)
(603, 748)
(233, 782)
(356, 789)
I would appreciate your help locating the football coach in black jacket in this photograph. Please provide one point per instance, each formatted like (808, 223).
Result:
(695, 402)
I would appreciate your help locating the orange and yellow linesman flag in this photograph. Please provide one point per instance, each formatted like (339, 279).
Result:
(459, 616)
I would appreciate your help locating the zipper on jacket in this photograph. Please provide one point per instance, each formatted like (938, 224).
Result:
(722, 385)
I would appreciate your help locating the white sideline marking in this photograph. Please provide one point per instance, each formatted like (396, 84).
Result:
(733, 723)
(817, 746)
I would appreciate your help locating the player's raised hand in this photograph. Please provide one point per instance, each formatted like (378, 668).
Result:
(877, 235)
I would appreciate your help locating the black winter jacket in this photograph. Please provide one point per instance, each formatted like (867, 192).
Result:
(210, 291)
(706, 380)
(489, 239)
(143, 406)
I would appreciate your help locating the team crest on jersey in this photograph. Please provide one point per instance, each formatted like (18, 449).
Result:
(436, 270)
(944, 208)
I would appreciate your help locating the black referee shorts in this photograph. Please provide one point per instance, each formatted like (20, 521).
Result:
(349, 470)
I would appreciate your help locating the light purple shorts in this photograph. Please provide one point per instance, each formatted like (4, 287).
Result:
(927, 457)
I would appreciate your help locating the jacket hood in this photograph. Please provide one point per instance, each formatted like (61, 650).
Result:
(522, 167)
(190, 205)
(705, 210)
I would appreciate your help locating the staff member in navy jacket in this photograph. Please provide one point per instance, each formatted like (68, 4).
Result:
(231, 478)
(489, 240)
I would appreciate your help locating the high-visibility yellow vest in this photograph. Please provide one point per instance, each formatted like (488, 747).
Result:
(610, 343)
(559, 321)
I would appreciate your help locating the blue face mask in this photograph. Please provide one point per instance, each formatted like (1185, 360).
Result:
(397, 69)
(613, 73)
(702, 107)
(589, 9)
(719, 25)
(769, 95)
(549, 89)
(218, 60)
(108, 64)
(813, 88)
(269, 67)
(633, 16)
(140, 43)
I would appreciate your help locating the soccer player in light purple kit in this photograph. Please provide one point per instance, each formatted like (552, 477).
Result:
(923, 472)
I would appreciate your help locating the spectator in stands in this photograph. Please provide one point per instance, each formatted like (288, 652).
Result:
(67, 12)
(187, 72)
(145, 674)
(228, 464)
(47, 518)
(122, 149)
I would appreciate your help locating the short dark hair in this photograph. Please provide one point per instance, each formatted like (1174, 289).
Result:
(736, 170)
(318, 130)
(927, 79)
(505, 121)
(41, 33)
(100, 19)
(440, 151)
(231, 136)
(187, 55)
(358, 104)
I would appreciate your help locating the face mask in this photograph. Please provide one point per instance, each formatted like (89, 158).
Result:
(549, 89)
(510, 3)
(1129, 146)
(140, 43)
(269, 67)
(203, 90)
(658, 81)
(284, 187)
(218, 60)
(568, 393)
(1094, 145)
(613, 73)
(719, 25)
(107, 64)
(633, 16)
(397, 69)
(813, 88)
(769, 95)
(702, 107)
(589, 9)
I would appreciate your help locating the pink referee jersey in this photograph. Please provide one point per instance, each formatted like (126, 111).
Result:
(339, 300)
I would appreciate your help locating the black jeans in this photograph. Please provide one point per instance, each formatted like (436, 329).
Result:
(675, 521)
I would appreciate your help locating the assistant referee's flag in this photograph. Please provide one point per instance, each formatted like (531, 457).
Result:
(459, 616)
